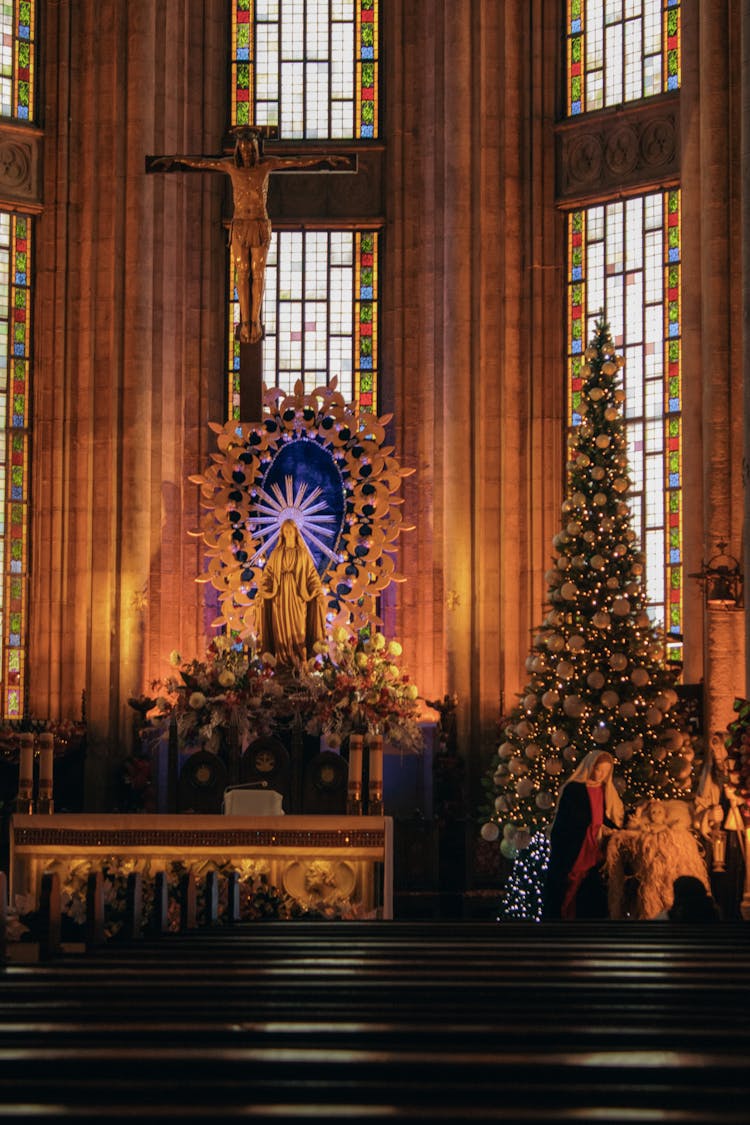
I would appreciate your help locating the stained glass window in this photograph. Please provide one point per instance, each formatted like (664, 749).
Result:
(17, 46)
(620, 51)
(17, 18)
(15, 311)
(624, 261)
(319, 313)
(309, 67)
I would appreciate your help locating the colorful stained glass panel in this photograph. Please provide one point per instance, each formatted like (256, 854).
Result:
(309, 67)
(17, 46)
(624, 260)
(320, 315)
(619, 53)
(15, 336)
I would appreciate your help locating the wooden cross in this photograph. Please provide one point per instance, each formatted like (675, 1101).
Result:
(249, 171)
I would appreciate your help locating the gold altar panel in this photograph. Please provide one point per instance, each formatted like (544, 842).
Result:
(313, 859)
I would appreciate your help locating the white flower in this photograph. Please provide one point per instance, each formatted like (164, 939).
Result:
(197, 700)
(394, 649)
(175, 659)
(378, 642)
(226, 678)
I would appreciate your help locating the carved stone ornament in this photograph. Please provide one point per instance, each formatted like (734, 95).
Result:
(618, 152)
(324, 464)
(19, 168)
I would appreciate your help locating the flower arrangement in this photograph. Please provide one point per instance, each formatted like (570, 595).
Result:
(357, 687)
(259, 899)
(230, 691)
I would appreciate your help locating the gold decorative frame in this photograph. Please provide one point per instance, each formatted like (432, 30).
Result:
(362, 565)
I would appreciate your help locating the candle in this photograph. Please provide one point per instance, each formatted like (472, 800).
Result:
(376, 775)
(26, 772)
(354, 803)
(46, 759)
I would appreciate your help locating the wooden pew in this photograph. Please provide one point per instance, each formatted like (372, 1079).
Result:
(389, 1021)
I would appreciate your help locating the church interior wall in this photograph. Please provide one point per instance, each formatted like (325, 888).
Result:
(129, 346)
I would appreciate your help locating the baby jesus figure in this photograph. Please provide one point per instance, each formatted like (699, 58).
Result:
(644, 859)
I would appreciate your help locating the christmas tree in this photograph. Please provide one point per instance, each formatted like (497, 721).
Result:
(598, 677)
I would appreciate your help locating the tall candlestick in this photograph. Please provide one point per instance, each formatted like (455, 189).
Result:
(354, 795)
(45, 803)
(25, 799)
(375, 787)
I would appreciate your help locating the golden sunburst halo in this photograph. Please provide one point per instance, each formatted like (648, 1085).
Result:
(316, 460)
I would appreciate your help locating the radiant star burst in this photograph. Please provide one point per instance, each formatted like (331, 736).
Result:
(309, 512)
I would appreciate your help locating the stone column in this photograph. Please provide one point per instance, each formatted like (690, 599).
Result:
(712, 371)
(129, 355)
(745, 241)
(472, 242)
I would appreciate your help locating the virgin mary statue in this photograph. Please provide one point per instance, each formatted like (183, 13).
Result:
(293, 613)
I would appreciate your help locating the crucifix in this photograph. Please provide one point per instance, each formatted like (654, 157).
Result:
(249, 236)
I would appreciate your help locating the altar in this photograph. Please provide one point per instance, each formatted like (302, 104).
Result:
(317, 861)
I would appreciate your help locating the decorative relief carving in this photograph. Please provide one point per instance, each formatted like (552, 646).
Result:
(620, 151)
(15, 165)
(658, 142)
(19, 164)
(585, 160)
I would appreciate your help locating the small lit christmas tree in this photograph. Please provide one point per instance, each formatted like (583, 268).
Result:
(598, 679)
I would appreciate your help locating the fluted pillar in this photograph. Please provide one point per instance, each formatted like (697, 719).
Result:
(745, 228)
(477, 379)
(712, 369)
(129, 360)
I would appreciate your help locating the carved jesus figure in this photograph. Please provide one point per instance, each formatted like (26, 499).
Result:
(250, 229)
